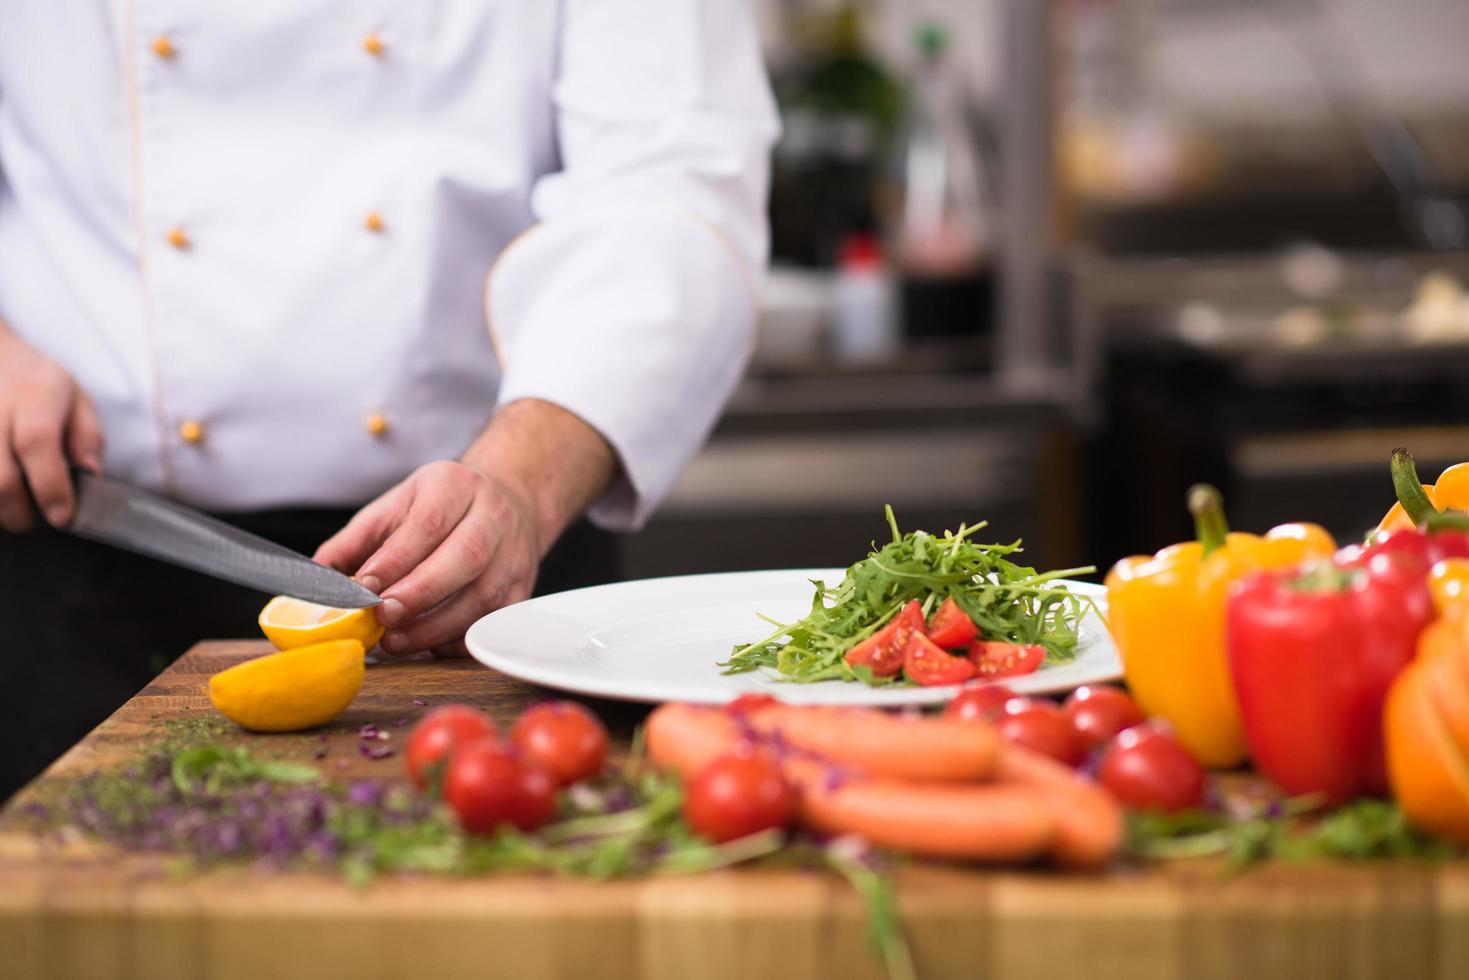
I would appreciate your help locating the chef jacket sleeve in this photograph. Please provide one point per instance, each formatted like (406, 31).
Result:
(632, 302)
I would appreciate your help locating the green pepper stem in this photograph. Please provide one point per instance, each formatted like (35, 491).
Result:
(1210, 525)
(1409, 488)
(1446, 520)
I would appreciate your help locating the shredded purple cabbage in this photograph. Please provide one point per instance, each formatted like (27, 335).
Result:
(274, 823)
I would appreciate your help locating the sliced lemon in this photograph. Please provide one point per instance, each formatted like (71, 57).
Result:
(289, 623)
(292, 689)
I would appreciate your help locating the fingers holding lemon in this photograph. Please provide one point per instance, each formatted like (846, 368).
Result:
(289, 623)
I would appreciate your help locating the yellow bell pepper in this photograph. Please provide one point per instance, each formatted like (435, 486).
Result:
(1166, 613)
(1451, 492)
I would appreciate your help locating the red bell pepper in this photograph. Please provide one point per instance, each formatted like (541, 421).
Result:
(1421, 546)
(1312, 653)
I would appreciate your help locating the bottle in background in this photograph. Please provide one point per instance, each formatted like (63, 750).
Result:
(839, 108)
(864, 328)
(939, 210)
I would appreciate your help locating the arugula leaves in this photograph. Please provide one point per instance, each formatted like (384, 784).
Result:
(1006, 600)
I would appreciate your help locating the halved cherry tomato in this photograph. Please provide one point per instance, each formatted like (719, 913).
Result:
(883, 650)
(996, 658)
(927, 663)
(1099, 711)
(983, 703)
(951, 627)
(1042, 727)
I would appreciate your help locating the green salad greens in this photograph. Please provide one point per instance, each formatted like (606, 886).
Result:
(1294, 829)
(1006, 600)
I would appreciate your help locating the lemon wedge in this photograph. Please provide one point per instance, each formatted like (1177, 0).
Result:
(292, 689)
(289, 623)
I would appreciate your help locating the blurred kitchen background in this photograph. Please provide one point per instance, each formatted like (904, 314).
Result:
(1047, 263)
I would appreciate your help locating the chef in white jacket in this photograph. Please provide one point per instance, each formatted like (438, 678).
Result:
(479, 265)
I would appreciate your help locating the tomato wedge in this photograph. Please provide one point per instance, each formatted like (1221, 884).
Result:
(883, 650)
(951, 627)
(927, 663)
(996, 658)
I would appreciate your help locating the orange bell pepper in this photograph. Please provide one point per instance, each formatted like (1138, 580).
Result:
(1426, 726)
(1166, 614)
(1448, 583)
(1451, 492)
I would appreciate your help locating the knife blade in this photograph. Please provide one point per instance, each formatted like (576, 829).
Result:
(128, 517)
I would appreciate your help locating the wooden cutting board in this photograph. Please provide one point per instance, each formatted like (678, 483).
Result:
(70, 910)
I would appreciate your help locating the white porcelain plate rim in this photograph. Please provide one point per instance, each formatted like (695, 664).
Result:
(661, 639)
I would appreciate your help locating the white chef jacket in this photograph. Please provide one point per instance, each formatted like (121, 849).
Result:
(295, 248)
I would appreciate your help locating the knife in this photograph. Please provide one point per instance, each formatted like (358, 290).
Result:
(127, 517)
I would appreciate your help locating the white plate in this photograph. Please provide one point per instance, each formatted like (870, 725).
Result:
(662, 639)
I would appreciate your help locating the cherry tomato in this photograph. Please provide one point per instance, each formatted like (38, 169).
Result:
(563, 738)
(440, 731)
(489, 785)
(883, 650)
(1147, 769)
(1042, 727)
(951, 627)
(996, 658)
(1099, 711)
(983, 703)
(737, 795)
(747, 704)
(927, 663)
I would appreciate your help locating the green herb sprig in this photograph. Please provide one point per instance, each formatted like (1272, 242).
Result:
(214, 768)
(1365, 829)
(1006, 600)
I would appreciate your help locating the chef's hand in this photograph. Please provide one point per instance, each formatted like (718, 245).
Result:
(459, 539)
(45, 418)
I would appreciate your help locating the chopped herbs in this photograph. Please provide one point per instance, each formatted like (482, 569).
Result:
(212, 803)
(1007, 601)
(1364, 829)
(211, 769)
(205, 804)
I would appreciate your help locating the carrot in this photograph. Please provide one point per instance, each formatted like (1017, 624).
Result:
(902, 746)
(1089, 821)
(991, 822)
(1036, 807)
(684, 738)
